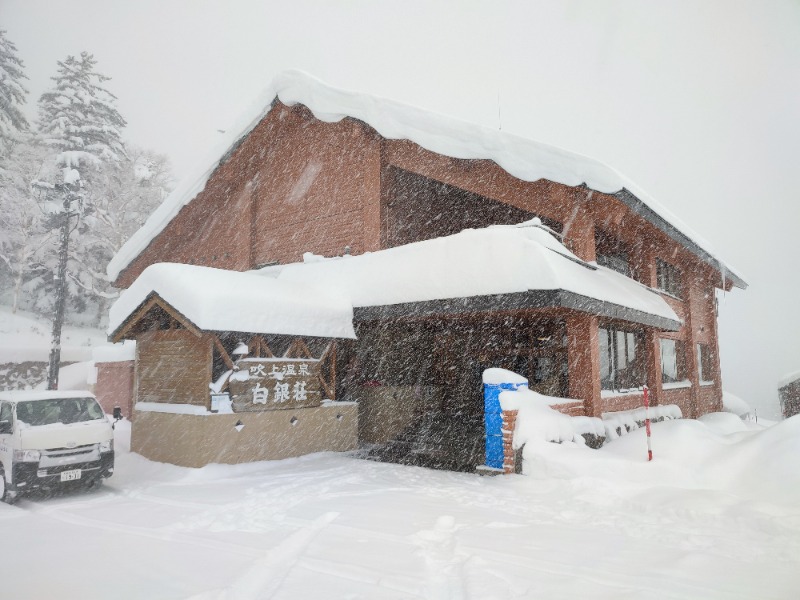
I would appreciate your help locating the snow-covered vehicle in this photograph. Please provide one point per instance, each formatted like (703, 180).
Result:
(52, 439)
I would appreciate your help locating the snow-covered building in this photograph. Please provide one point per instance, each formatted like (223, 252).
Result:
(448, 248)
(789, 394)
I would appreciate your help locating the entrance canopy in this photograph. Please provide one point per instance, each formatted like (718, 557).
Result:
(218, 300)
(495, 268)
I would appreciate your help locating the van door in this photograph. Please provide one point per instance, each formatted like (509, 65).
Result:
(6, 436)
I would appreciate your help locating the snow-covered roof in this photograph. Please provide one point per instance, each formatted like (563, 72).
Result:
(219, 300)
(496, 260)
(788, 379)
(523, 158)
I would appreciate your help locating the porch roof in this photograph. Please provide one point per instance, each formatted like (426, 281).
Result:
(495, 268)
(219, 300)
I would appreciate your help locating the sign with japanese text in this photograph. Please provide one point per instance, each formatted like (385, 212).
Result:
(274, 384)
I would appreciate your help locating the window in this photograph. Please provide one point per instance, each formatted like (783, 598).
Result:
(705, 363)
(673, 361)
(622, 361)
(668, 278)
(5, 412)
(611, 253)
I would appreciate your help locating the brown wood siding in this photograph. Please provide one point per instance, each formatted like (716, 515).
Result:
(173, 366)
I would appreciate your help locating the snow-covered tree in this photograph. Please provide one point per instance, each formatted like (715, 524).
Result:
(12, 95)
(79, 121)
(122, 196)
(24, 239)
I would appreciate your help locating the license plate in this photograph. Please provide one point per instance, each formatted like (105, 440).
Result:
(71, 475)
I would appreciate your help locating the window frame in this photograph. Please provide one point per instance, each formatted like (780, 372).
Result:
(622, 345)
(705, 364)
(679, 354)
(669, 278)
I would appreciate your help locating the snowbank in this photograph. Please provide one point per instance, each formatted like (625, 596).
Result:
(220, 300)
(620, 422)
(538, 422)
(734, 404)
(523, 158)
(724, 423)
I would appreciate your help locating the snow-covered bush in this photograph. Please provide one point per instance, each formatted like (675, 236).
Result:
(621, 422)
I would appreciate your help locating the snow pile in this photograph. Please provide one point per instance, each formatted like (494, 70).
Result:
(523, 158)
(220, 300)
(126, 350)
(497, 376)
(474, 262)
(621, 422)
(538, 422)
(723, 423)
(734, 404)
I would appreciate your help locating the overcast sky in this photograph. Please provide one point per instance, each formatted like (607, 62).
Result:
(698, 102)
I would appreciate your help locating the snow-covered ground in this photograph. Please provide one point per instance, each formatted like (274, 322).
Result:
(716, 515)
(26, 337)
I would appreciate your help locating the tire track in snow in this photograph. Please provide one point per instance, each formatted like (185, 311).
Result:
(58, 514)
(266, 575)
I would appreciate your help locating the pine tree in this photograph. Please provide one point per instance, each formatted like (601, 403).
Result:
(12, 95)
(24, 239)
(78, 120)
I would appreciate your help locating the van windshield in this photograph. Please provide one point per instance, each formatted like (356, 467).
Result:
(58, 410)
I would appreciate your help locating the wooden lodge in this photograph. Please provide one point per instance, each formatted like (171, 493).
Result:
(617, 296)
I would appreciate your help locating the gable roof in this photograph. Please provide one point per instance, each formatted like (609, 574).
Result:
(523, 158)
(219, 300)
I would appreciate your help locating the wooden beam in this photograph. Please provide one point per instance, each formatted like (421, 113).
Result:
(221, 349)
(298, 349)
(145, 307)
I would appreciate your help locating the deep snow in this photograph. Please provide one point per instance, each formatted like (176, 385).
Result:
(716, 515)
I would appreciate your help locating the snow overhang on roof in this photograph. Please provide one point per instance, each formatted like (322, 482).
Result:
(219, 300)
(499, 267)
(789, 379)
(523, 158)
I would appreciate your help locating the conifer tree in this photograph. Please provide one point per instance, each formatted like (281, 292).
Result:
(79, 121)
(12, 95)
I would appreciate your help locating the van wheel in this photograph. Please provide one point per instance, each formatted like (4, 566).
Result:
(5, 495)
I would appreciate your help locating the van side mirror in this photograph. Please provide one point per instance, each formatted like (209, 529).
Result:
(117, 413)
(6, 427)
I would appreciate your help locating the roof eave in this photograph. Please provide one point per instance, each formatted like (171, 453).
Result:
(532, 299)
(639, 207)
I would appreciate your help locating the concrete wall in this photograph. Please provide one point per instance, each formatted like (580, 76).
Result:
(195, 441)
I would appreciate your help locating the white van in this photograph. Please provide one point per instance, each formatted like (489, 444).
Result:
(50, 439)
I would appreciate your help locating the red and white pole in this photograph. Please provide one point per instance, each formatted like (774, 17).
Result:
(647, 422)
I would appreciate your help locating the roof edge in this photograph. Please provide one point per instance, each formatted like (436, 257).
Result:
(641, 208)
